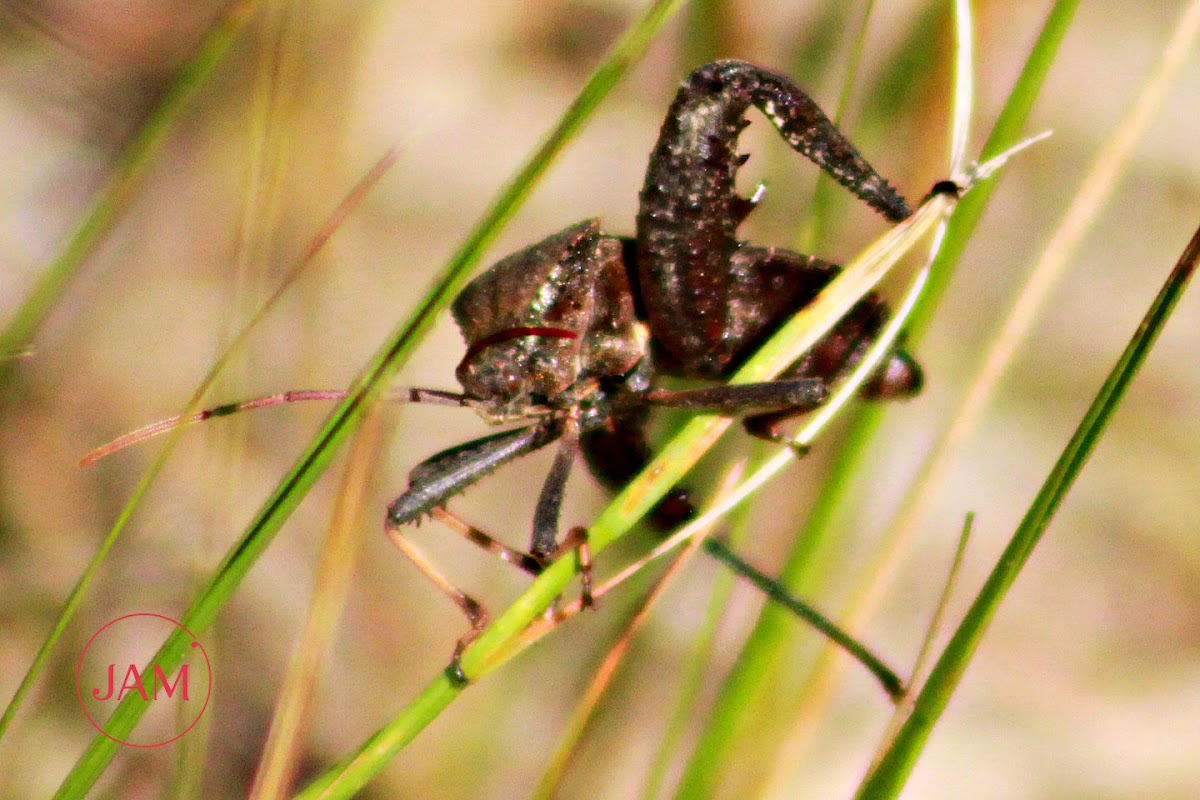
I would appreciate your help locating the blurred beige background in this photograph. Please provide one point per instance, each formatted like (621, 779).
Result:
(1089, 682)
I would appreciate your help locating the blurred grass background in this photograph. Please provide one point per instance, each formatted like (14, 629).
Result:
(1089, 684)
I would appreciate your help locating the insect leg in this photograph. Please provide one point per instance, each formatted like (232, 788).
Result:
(899, 377)
(802, 394)
(545, 545)
(799, 120)
(477, 536)
(476, 614)
(544, 542)
(441, 477)
(887, 677)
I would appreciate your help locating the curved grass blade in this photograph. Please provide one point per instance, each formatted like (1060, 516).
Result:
(889, 776)
(495, 645)
(1094, 191)
(761, 651)
(344, 419)
(75, 596)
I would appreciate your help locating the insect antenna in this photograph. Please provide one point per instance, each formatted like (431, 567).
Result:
(404, 395)
(351, 201)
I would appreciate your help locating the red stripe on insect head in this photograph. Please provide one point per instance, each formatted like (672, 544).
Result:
(518, 333)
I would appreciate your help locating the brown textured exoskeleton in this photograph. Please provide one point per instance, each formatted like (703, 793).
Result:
(567, 336)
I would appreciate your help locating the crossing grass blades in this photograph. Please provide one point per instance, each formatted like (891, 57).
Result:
(566, 338)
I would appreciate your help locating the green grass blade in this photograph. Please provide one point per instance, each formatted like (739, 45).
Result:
(760, 655)
(75, 596)
(345, 417)
(889, 776)
(1006, 132)
(110, 202)
(496, 644)
(54, 282)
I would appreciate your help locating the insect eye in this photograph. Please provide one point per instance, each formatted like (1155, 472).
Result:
(512, 382)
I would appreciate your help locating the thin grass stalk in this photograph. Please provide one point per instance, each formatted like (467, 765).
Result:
(933, 633)
(267, 136)
(495, 645)
(889, 777)
(813, 228)
(699, 659)
(585, 709)
(110, 202)
(1084, 209)
(189, 753)
(1006, 131)
(770, 633)
(335, 570)
(693, 670)
(345, 417)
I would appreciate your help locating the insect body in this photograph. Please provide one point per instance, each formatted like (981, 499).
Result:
(566, 338)
(569, 334)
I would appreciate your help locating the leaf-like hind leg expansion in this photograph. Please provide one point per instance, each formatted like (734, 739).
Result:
(687, 246)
